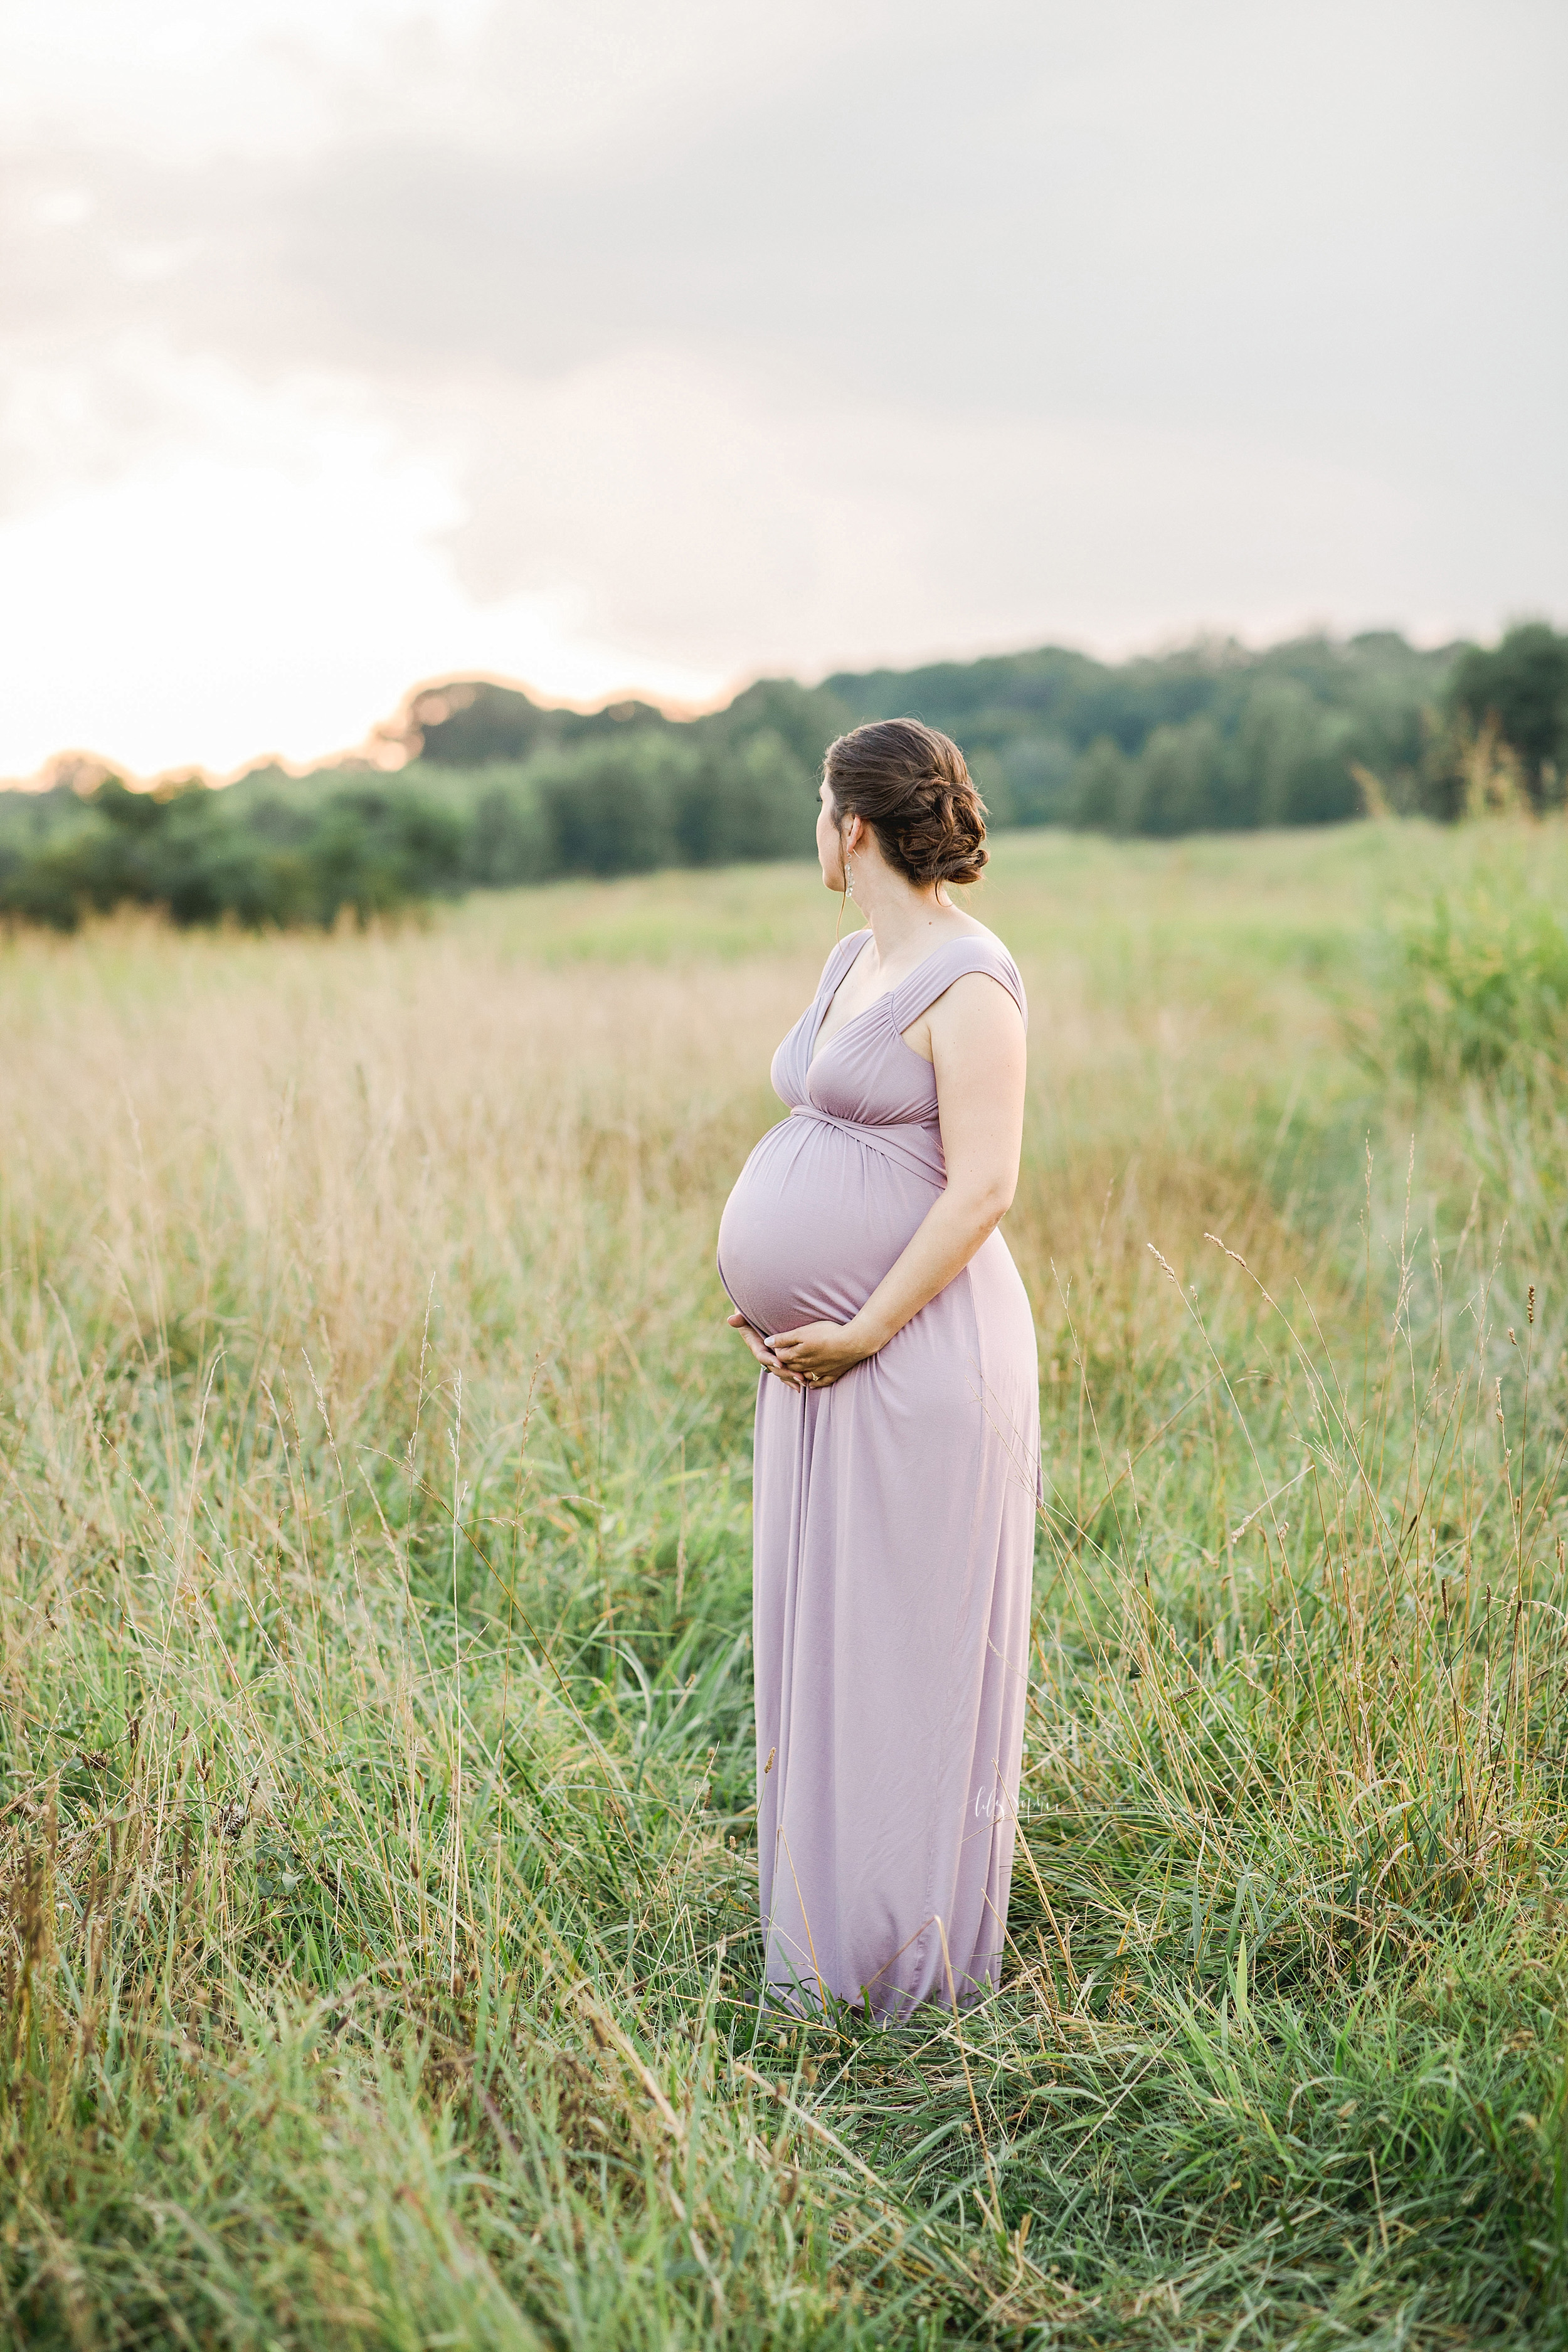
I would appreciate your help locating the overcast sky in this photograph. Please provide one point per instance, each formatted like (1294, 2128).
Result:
(604, 343)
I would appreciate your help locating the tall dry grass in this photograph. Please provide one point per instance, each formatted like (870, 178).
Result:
(374, 1593)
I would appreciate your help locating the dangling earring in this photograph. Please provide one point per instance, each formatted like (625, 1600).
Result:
(849, 874)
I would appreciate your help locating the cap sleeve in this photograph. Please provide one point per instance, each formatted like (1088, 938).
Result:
(950, 962)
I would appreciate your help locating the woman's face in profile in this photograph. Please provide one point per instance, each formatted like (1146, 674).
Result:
(829, 848)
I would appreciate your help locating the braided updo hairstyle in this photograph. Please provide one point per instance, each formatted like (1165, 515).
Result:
(911, 786)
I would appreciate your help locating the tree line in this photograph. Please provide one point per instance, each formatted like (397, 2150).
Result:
(497, 789)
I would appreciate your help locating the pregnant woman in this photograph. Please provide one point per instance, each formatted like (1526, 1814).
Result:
(898, 1437)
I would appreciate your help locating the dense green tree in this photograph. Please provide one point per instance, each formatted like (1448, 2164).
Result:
(473, 722)
(1291, 759)
(1520, 688)
(204, 856)
(610, 808)
(509, 839)
(1175, 782)
(804, 719)
(1102, 788)
(504, 790)
(1039, 770)
(1033, 716)
(759, 802)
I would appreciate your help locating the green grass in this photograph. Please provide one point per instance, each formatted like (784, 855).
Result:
(376, 1878)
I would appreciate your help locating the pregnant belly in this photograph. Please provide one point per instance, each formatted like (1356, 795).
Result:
(816, 1220)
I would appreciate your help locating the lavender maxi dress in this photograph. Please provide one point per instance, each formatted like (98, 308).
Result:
(893, 1529)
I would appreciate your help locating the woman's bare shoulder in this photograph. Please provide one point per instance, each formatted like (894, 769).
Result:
(975, 929)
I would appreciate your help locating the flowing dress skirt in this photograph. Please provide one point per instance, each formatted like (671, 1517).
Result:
(894, 1536)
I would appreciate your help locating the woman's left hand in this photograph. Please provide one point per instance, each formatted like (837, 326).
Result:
(820, 1352)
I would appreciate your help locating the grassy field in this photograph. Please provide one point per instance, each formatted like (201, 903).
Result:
(376, 1861)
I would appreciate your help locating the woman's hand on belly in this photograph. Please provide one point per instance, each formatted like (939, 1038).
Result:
(820, 1353)
(764, 1353)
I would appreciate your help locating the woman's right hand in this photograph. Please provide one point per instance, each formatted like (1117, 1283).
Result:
(764, 1353)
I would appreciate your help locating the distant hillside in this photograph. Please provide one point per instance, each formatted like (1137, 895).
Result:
(471, 723)
(1211, 736)
(499, 788)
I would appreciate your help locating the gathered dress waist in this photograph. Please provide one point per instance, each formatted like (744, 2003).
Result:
(908, 1143)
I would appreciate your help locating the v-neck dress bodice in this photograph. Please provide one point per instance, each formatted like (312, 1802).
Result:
(893, 1527)
(831, 1196)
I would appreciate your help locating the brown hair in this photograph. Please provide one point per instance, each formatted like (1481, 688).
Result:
(911, 786)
